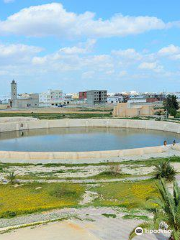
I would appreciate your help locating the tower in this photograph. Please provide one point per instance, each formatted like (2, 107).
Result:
(13, 90)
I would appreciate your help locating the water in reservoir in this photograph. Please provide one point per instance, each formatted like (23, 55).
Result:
(83, 139)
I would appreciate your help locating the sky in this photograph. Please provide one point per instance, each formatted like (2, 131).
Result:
(118, 45)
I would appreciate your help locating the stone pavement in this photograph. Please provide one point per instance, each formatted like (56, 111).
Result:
(87, 224)
(104, 229)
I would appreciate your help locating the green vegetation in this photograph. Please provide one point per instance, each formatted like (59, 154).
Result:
(137, 217)
(169, 208)
(35, 197)
(126, 194)
(50, 176)
(165, 170)
(12, 178)
(171, 105)
(57, 115)
(109, 175)
(148, 162)
(114, 171)
(167, 211)
(178, 115)
(152, 161)
(96, 110)
(108, 215)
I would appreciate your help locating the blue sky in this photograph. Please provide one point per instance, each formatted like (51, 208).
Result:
(119, 45)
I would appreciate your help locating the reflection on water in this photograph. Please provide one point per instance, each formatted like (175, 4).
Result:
(82, 139)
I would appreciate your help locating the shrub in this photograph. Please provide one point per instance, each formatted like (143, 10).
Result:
(8, 214)
(114, 170)
(12, 178)
(165, 170)
(63, 192)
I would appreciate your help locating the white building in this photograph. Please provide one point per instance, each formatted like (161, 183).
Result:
(137, 99)
(114, 99)
(51, 98)
(4, 99)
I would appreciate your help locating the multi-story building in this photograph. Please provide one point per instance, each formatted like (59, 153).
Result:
(96, 97)
(51, 98)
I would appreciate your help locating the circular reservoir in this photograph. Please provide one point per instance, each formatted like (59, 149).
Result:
(83, 139)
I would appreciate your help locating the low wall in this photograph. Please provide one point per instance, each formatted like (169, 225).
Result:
(45, 157)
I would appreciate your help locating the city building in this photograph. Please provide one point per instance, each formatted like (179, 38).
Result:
(68, 98)
(137, 99)
(82, 95)
(96, 97)
(22, 100)
(146, 99)
(127, 110)
(115, 99)
(75, 96)
(4, 99)
(51, 98)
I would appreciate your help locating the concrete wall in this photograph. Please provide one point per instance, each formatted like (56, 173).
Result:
(27, 124)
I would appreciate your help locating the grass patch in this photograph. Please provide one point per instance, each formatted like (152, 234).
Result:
(137, 217)
(109, 175)
(57, 115)
(152, 161)
(126, 194)
(35, 197)
(108, 215)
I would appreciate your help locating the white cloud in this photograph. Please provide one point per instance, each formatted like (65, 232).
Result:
(147, 65)
(128, 54)
(13, 49)
(171, 51)
(15, 53)
(8, 1)
(87, 75)
(39, 60)
(76, 62)
(80, 49)
(53, 20)
(151, 66)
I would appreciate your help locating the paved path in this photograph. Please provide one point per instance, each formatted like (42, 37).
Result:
(90, 180)
(66, 230)
(102, 229)
(91, 224)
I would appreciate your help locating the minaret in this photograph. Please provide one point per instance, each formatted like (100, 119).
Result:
(13, 90)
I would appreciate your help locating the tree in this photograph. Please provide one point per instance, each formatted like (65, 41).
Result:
(165, 170)
(171, 105)
(167, 211)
